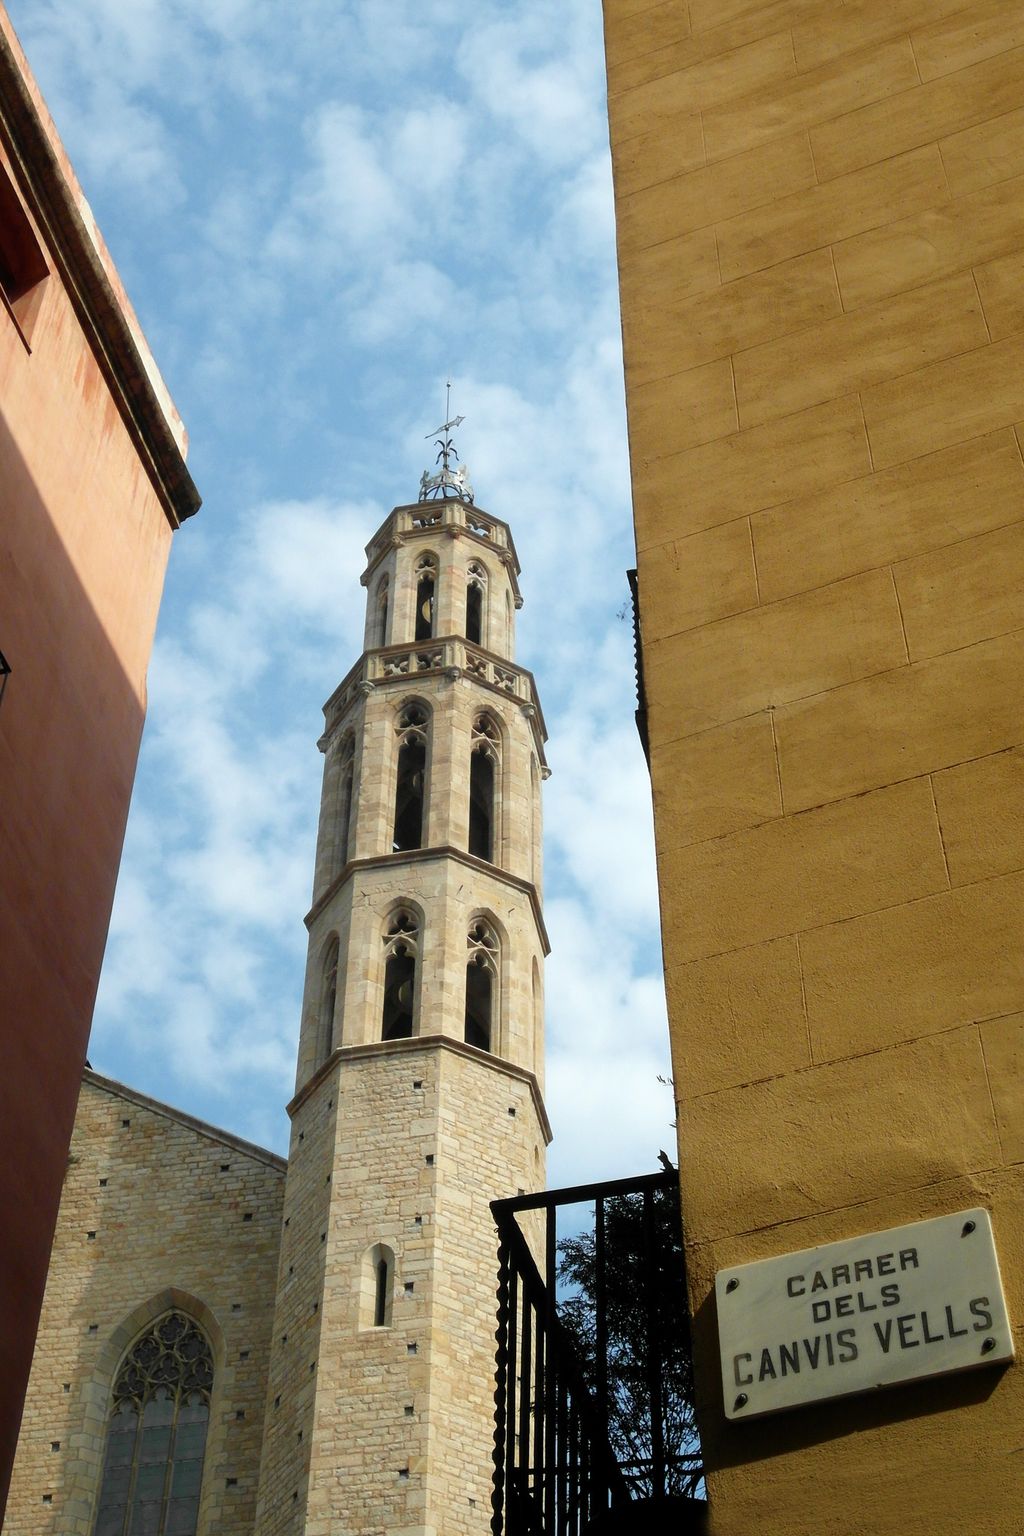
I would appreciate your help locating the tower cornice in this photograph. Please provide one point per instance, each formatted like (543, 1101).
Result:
(398, 665)
(451, 518)
(425, 855)
(418, 1045)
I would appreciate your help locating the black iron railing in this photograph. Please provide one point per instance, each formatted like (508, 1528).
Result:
(593, 1394)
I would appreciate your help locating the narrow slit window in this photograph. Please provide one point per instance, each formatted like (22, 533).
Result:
(346, 784)
(380, 1301)
(401, 944)
(328, 1001)
(483, 772)
(481, 985)
(380, 617)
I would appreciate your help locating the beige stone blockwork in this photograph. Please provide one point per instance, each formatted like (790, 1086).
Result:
(780, 652)
(652, 159)
(953, 597)
(920, 1113)
(1003, 1043)
(693, 581)
(634, 35)
(981, 812)
(923, 967)
(689, 408)
(704, 84)
(158, 1211)
(1001, 284)
(989, 152)
(830, 212)
(944, 239)
(919, 114)
(925, 504)
(847, 353)
(828, 36)
(717, 782)
(814, 97)
(681, 203)
(967, 36)
(901, 723)
(827, 865)
(674, 270)
(748, 471)
(785, 298)
(745, 1017)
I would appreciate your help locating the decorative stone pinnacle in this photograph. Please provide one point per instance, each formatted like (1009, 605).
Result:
(446, 481)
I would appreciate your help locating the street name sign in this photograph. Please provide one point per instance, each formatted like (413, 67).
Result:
(868, 1312)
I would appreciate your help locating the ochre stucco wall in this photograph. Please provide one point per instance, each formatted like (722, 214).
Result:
(821, 242)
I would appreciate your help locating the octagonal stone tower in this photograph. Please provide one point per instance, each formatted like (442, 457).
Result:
(420, 1072)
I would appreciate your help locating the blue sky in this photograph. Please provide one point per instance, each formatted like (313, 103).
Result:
(321, 210)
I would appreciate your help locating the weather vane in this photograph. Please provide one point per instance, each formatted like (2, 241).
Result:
(446, 481)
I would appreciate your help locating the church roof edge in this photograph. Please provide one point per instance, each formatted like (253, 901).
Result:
(201, 1127)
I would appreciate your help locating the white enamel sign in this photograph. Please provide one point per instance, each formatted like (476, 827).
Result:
(872, 1311)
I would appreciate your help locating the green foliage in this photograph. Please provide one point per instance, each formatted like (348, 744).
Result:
(647, 1334)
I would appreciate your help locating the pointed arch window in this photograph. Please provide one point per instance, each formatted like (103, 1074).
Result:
(376, 1287)
(485, 749)
(426, 596)
(411, 727)
(481, 984)
(401, 946)
(328, 1000)
(476, 594)
(380, 612)
(346, 783)
(156, 1433)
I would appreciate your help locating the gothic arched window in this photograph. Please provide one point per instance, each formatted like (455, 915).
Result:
(411, 727)
(481, 984)
(328, 1001)
(346, 782)
(484, 759)
(156, 1433)
(379, 635)
(401, 943)
(476, 590)
(426, 593)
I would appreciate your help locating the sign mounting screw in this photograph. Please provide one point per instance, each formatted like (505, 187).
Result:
(733, 1283)
(987, 1346)
(741, 1401)
(969, 1227)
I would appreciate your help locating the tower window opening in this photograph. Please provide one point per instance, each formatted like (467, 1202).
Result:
(400, 943)
(376, 1285)
(380, 617)
(156, 1432)
(346, 782)
(482, 774)
(481, 976)
(328, 1001)
(411, 779)
(475, 587)
(426, 589)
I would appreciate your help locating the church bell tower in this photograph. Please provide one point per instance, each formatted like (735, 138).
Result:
(419, 1091)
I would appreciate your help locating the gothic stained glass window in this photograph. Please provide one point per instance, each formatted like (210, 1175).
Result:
(156, 1433)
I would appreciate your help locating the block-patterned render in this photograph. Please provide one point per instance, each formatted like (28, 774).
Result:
(820, 220)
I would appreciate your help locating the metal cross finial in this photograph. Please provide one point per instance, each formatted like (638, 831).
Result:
(445, 480)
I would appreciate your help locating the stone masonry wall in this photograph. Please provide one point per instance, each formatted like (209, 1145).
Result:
(157, 1212)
